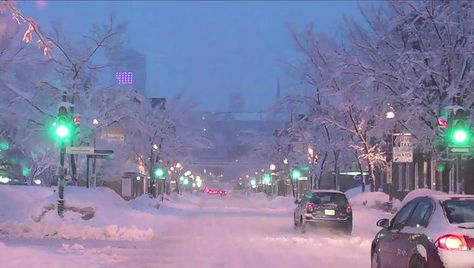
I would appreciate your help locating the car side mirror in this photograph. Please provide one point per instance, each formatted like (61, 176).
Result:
(384, 223)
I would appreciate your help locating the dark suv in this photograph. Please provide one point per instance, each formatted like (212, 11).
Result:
(433, 231)
(324, 208)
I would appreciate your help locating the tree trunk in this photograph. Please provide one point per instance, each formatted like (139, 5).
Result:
(372, 176)
(321, 170)
(336, 169)
(362, 179)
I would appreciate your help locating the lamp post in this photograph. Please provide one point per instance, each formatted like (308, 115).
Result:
(390, 115)
(95, 122)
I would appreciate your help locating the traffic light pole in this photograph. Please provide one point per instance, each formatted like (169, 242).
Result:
(61, 181)
(459, 175)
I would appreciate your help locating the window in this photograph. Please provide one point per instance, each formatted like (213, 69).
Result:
(459, 210)
(402, 216)
(421, 214)
(325, 198)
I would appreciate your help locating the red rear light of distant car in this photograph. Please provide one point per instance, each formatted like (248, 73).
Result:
(452, 242)
(348, 209)
(310, 207)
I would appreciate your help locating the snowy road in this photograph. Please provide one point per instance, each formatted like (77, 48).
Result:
(221, 232)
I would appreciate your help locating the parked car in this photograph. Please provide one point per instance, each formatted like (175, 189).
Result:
(430, 231)
(324, 208)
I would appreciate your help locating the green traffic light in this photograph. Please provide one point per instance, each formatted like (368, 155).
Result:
(267, 178)
(62, 131)
(4, 146)
(159, 172)
(460, 135)
(296, 174)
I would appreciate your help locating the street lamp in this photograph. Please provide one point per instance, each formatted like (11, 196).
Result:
(390, 115)
(95, 122)
(285, 161)
(272, 167)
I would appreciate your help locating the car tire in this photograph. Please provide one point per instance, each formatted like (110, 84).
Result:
(302, 226)
(375, 261)
(348, 229)
(295, 222)
(417, 262)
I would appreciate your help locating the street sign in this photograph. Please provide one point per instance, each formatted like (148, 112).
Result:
(102, 156)
(80, 150)
(103, 151)
(459, 150)
(403, 148)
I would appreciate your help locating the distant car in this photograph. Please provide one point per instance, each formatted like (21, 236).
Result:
(215, 192)
(324, 208)
(430, 231)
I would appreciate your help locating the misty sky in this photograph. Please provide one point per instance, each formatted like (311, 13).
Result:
(206, 49)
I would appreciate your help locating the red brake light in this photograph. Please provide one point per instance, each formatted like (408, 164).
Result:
(310, 207)
(348, 209)
(452, 242)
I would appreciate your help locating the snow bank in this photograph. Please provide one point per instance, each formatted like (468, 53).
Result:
(26, 216)
(371, 199)
(278, 202)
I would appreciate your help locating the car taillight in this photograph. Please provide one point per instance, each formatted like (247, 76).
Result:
(310, 207)
(348, 209)
(452, 242)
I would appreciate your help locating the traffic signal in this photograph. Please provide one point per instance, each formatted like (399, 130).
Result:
(4, 145)
(267, 179)
(159, 173)
(253, 182)
(63, 125)
(296, 174)
(459, 130)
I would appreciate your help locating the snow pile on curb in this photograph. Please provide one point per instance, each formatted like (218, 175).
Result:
(372, 200)
(69, 231)
(278, 202)
(113, 219)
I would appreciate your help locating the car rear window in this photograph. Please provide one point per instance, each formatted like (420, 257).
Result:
(459, 210)
(325, 198)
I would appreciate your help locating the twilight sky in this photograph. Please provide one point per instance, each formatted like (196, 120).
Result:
(206, 49)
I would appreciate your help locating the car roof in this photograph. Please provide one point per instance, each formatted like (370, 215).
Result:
(325, 191)
(444, 197)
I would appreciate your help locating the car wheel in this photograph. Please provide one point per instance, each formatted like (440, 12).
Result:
(302, 226)
(375, 262)
(295, 222)
(417, 262)
(348, 229)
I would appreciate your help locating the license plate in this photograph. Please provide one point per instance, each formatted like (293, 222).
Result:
(330, 212)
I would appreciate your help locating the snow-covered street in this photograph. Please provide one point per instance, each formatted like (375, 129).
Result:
(207, 231)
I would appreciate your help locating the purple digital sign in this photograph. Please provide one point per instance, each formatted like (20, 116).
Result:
(124, 78)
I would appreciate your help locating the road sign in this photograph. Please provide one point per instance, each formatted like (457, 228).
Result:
(459, 150)
(80, 150)
(103, 151)
(403, 148)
